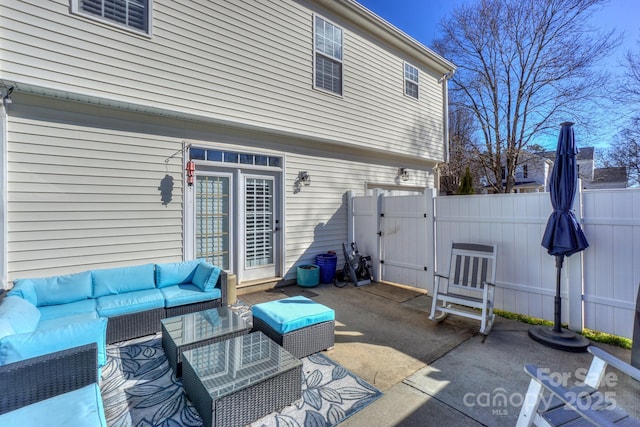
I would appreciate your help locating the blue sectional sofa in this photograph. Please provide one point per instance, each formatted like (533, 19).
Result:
(57, 389)
(45, 315)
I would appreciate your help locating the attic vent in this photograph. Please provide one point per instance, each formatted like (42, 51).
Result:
(130, 13)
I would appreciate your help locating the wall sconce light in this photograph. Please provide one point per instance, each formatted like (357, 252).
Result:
(304, 178)
(191, 171)
(6, 99)
(403, 174)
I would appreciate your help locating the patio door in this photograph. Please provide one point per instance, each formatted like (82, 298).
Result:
(260, 226)
(214, 218)
(237, 221)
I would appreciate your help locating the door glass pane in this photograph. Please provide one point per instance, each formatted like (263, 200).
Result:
(212, 219)
(259, 222)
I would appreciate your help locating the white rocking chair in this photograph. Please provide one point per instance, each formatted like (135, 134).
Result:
(548, 402)
(470, 283)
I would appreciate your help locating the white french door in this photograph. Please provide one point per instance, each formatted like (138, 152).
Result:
(260, 227)
(236, 221)
(214, 218)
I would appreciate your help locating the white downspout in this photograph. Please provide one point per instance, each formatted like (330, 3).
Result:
(445, 111)
(4, 121)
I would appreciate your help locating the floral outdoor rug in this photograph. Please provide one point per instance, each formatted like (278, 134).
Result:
(138, 389)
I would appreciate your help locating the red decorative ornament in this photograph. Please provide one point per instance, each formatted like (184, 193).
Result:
(191, 171)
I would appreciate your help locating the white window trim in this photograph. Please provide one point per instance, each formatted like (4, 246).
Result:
(76, 10)
(314, 53)
(405, 80)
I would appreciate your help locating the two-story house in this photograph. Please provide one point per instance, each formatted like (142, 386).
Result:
(592, 177)
(534, 170)
(159, 130)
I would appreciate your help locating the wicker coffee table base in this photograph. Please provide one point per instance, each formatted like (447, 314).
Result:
(246, 405)
(174, 352)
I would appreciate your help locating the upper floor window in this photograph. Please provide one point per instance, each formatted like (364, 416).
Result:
(522, 171)
(327, 47)
(132, 14)
(411, 81)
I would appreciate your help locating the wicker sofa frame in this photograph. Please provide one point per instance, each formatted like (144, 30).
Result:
(32, 380)
(301, 342)
(134, 325)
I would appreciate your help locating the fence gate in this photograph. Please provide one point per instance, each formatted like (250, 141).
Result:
(406, 240)
(365, 214)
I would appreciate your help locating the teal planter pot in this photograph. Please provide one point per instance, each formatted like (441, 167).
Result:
(308, 275)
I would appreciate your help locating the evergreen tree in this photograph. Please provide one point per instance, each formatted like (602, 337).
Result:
(466, 186)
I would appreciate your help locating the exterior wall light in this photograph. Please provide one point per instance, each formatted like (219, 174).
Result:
(403, 174)
(304, 178)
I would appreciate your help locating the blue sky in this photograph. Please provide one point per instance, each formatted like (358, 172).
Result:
(420, 18)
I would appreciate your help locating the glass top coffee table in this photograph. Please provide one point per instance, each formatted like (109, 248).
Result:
(239, 380)
(188, 331)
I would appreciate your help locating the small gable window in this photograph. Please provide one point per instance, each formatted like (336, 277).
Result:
(131, 14)
(327, 47)
(411, 81)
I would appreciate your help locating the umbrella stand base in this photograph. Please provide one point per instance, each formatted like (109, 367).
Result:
(564, 340)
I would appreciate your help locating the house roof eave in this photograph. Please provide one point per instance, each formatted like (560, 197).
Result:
(384, 30)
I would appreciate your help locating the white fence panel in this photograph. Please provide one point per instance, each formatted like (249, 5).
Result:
(598, 285)
(365, 229)
(612, 261)
(515, 222)
(407, 240)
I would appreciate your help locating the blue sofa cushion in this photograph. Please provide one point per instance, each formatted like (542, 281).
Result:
(6, 328)
(23, 288)
(290, 314)
(56, 335)
(121, 280)
(187, 293)
(60, 289)
(176, 273)
(97, 329)
(64, 310)
(79, 408)
(131, 302)
(206, 276)
(21, 314)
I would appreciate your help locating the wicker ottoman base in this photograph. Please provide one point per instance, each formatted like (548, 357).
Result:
(301, 342)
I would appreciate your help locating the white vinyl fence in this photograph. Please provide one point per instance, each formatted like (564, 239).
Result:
(598, 285)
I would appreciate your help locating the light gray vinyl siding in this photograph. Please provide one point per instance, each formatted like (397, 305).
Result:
(248, 63)
(84, 187)
(317, 219)
(83, 193)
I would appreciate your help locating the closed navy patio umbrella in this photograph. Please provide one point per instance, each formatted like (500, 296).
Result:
(563, 235)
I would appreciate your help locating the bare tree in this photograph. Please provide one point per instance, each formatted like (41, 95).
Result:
(524, 66)
(625, 152)
(631, 83)
(461, 152)
(625, 149)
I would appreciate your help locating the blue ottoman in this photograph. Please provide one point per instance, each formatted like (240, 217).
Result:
(300, 325)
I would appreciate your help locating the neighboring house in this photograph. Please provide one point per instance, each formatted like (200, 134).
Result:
(614, 177)
(282, 106)
(592, 177)
(530, 175)
(534, 170)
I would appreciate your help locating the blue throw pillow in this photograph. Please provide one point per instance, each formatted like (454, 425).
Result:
(21, 314)
(176, 273)
(206, 276)
(24, 289)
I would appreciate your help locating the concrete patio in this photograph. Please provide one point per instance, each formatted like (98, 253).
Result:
(439, 374)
